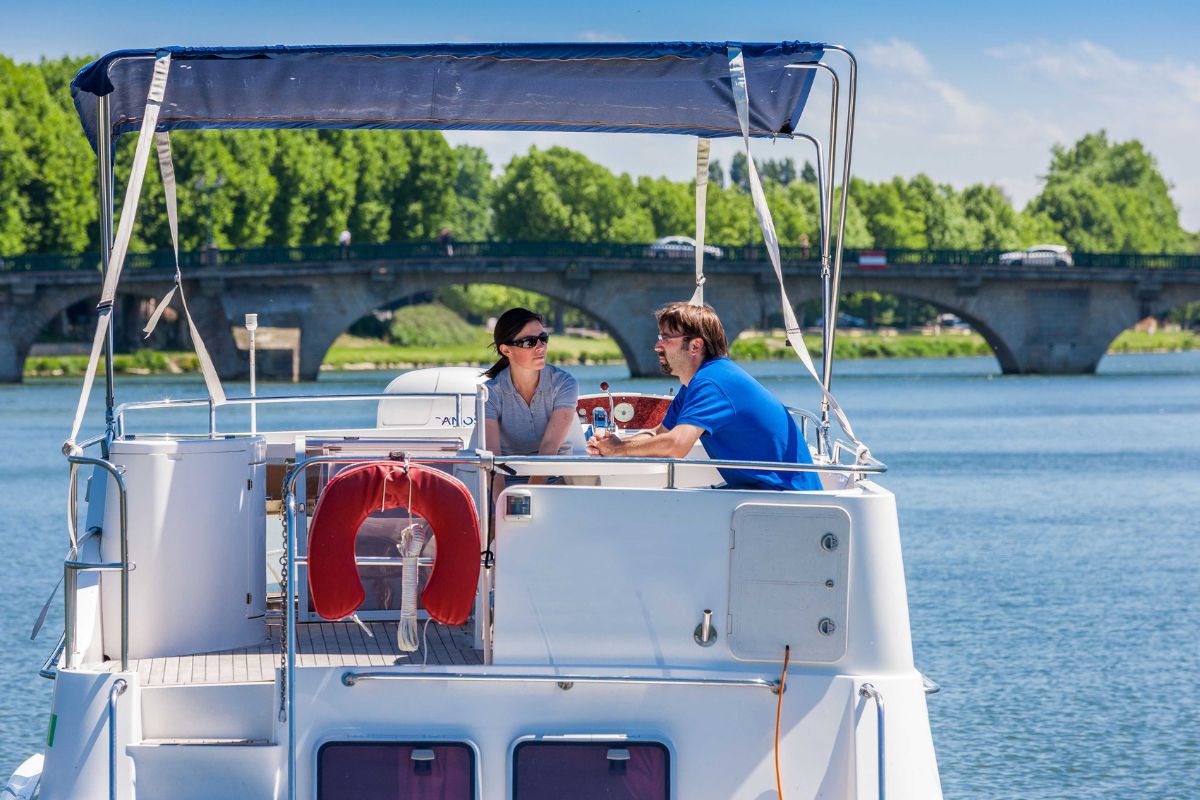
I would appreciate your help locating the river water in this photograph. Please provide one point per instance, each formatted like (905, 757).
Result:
(1049, 530)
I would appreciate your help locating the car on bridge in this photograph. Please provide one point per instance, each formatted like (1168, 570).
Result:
(1039, 255)
(679, 247)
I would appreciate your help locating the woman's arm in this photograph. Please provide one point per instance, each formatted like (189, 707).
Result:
(491, 431)
(556, 433)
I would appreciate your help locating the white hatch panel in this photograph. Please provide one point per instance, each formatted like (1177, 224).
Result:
(788, 572)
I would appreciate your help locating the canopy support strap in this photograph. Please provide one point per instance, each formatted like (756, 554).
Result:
(120, 248)
(703, 146)
(120, 245)
(166, 168)
(741, 96)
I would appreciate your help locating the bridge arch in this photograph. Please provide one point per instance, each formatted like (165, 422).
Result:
(961, 307)
(1166, 302)
(24, 321)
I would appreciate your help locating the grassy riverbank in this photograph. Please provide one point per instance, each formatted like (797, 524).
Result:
(351, 352)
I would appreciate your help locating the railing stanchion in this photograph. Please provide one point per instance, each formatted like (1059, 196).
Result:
(290, 623)
(116, 690)
(869, 692)
(69, 595)
(483, 508)
(72, 566)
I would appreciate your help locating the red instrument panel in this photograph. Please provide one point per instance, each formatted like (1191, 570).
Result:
(630, 411)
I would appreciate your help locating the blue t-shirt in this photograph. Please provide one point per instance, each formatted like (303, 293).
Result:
(742, 421)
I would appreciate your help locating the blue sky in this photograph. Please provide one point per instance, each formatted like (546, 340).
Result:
(965, 92)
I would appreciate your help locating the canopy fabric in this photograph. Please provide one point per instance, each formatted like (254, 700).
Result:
(662, 87)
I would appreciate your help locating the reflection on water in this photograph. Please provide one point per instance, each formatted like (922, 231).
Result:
(1049, 530)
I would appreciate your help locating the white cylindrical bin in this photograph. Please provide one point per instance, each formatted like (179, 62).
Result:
(197, 538)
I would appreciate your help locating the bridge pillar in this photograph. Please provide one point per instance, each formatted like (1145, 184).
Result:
(12, 361)
(207, 304)
(1053, 330)
(625, 304)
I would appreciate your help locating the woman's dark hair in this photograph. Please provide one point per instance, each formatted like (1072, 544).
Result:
(507, 328)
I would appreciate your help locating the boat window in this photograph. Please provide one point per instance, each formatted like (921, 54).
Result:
(606, 770)
(379, 770)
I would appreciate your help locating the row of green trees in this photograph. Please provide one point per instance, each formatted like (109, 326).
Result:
(256, 188)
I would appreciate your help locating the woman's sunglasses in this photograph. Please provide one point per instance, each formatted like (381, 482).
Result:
(530, 342)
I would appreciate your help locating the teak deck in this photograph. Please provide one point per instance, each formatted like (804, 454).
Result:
(323, 644)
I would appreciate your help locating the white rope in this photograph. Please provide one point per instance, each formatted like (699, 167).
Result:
(741, 96)
(703, 147)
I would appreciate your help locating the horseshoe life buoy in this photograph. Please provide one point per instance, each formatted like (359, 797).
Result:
(353, 494)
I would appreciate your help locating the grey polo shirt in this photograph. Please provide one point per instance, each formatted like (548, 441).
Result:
(522, 424)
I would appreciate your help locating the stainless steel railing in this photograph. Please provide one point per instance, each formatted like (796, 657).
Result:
(871, 466)
(116, 690)
(352, 677)
(868, 692)
(49, 668)
(72, 566)
(258, 400)
(810, 424)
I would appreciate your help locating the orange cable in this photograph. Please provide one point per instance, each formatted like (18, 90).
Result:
(787, 653)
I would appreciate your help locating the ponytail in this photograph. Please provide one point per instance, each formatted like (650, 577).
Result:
(497, 368)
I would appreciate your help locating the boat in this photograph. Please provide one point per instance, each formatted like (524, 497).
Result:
(317, 612)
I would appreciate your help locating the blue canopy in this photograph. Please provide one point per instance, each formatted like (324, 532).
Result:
(661, 87)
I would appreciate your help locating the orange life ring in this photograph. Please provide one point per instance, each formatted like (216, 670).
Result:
(353, 494)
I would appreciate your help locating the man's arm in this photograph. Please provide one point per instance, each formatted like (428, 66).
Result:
(659, 443)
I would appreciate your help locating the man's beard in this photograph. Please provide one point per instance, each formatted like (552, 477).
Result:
(664, 366)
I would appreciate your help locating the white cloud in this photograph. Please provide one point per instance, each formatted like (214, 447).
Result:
(1086, 87)
(908, 107)
(899, 55)
(600, 36)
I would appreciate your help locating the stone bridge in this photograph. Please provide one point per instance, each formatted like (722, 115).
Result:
(1036, 320)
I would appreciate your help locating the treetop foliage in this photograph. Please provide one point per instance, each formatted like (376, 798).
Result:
(259, 188)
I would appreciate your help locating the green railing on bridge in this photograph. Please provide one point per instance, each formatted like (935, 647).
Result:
(731, 254)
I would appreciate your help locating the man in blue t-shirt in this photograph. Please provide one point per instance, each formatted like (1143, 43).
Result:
(733, 415)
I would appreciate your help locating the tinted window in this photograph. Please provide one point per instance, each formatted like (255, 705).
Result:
(591, 771)
(391, 770)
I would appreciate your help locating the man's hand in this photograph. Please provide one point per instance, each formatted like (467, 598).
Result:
(607, 444)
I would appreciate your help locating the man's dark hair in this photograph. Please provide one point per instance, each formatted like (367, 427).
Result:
(695, 322)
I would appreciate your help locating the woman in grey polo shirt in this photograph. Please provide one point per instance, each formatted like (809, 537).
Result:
(530, 404)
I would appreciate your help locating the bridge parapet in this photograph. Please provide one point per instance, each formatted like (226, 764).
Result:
(1036, 318)
(883, 259)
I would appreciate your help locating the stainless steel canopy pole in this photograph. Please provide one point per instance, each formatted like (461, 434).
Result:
(828, 284)
(847, 150)
(825, 198)
(105, 154)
